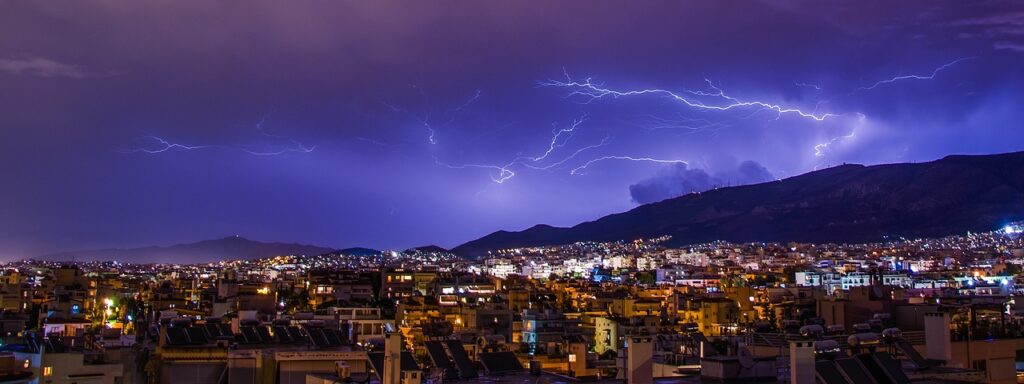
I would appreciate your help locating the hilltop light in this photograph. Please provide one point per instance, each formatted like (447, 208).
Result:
(1013, 229)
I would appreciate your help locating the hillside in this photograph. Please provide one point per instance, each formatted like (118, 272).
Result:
(848, 203)
(228, 248)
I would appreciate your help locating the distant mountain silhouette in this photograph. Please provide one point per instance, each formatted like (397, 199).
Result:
(357, 251)
(228, 248)
(848, 203)
(430, 249)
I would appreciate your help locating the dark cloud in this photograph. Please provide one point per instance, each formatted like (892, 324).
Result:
(678, 179)
(672, 181)
(748, 172)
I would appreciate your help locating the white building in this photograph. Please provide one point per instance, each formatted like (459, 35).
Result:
(501, 268)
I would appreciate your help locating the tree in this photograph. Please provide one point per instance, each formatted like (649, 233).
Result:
(1012, 269)
(771, 317)
(33, 318)
(646, 278)
(790, 273)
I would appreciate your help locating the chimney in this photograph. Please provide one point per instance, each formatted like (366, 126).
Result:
(392, 358)
(801, 362)
(639, 360)
(937, 336)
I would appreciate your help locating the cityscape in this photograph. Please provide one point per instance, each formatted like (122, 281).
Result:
(930, 310)
(511, 192)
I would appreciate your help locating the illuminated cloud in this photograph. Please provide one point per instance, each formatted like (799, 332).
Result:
(40, 67)
(678, 179)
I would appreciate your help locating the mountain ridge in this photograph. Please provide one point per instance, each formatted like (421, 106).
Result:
(203, 251)
(845, 203)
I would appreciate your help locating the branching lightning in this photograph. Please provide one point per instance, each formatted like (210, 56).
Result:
(930, 76)
(390, 106)
(819, 149)
(808, 85)
(603, 142)
(689, 124)
(578, 170)
(570, 131)
(296, 147)
(163, 146)
(430, 130)
(559, 138)
(472, 99)
(714, 98)
(504, 173)
(591, 91)
(273, 150)
(711, 98)
(155, 144)
(372, 141)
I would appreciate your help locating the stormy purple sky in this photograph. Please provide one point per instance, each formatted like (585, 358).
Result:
(397, 124)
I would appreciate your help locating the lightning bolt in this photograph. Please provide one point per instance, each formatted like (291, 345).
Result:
(559, 139)
(819, 149)
(710, 98)
(694, 125)
(930, 76)
(557, 135)
(430, 130)
(504, 173)
(591, 91)
(935, 72)
(603, 142)
(164, 146)
(808, 85)
(389, 106)
(372, 141)
(425, 121)
(156, 144)
(472, 99)
(296, 147)
(578, 170)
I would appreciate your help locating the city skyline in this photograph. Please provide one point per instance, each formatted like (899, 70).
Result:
(390, 125)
